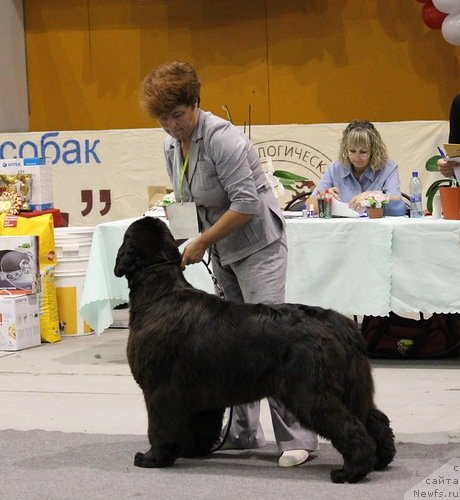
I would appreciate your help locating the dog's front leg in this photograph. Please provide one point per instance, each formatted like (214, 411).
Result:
(166, 427)
(157, 457)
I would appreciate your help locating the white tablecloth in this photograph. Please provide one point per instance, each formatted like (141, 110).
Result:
(356, 266)
(426, 266)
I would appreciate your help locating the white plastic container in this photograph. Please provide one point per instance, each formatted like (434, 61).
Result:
(73, 242)
(73, 245)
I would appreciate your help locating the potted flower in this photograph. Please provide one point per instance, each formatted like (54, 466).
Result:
(167, 200)
(374, 201)
(434, 188)
(438, 185)
(281, 180)
(288, 179)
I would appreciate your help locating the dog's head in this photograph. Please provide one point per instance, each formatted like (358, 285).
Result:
(147, 241)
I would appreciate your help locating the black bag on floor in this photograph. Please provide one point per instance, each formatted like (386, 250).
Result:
(396, 337)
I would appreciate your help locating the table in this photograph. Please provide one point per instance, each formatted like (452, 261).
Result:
(355, 266)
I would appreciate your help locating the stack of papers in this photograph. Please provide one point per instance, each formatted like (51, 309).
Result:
(292, 215)
(453, 153)
(341, 209)
(155, 212)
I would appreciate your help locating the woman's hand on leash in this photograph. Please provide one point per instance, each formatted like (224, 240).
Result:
(195, 250)
(193, 253)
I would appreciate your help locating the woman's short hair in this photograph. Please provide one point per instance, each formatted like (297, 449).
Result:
(363, 134)
(168, 86)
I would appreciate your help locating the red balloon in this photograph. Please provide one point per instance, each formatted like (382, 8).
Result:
(432, 17)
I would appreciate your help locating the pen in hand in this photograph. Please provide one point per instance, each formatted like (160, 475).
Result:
(455, 181)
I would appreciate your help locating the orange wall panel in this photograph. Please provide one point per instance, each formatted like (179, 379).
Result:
(294, 61)
(59, 65)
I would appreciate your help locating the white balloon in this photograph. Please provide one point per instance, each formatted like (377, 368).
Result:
(451, 28)
(447, 6)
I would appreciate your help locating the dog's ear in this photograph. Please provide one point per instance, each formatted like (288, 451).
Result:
(147, 241)
(125, 262)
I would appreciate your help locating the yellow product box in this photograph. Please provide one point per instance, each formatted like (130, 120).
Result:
(19, 322)
(19, 265)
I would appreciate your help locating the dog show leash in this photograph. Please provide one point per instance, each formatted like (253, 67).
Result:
(214, 279)
(230, 414)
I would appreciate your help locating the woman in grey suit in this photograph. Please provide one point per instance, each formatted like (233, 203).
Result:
(214, 165)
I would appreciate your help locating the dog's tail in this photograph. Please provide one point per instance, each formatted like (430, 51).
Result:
(378, 427)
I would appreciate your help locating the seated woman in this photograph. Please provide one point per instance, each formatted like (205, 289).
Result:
(363, 166)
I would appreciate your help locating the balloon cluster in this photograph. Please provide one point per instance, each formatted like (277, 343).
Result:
(443, 15)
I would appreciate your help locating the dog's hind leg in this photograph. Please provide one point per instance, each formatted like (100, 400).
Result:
(205, 432)
(331, 419)
(378, 427)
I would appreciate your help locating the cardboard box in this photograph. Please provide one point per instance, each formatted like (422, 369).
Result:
(19, 265)
(41, 191)
(155, 194)
(19, 322)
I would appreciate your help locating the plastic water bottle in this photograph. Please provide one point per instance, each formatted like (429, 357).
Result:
(415, 191)
(304, 211)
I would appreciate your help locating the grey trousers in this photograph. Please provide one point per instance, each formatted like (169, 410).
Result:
(261, 278)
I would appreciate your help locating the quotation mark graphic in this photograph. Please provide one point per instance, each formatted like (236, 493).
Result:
(104, 198)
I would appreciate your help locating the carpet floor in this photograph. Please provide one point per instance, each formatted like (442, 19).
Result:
(72, 466)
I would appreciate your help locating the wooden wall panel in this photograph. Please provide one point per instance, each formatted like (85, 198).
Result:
(360, 59)
(291, 61)
(59, 65)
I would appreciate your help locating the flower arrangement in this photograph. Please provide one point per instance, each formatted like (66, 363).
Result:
(374, 199)
(281, 180)
(168, 199)
(431, 165)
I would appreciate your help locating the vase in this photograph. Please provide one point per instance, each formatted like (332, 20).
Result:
(450, 202)
(437, 209)
(375, 213)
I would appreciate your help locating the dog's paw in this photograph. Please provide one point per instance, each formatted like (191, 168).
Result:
(338, 476)
(154, 458)
(381, 465)
(142, 460)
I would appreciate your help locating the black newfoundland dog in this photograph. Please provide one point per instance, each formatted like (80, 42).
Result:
(194, 354)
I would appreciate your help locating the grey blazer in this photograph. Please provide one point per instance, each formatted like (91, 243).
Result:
(224, 173)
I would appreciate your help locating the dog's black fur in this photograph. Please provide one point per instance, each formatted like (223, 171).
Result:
(194, 354)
